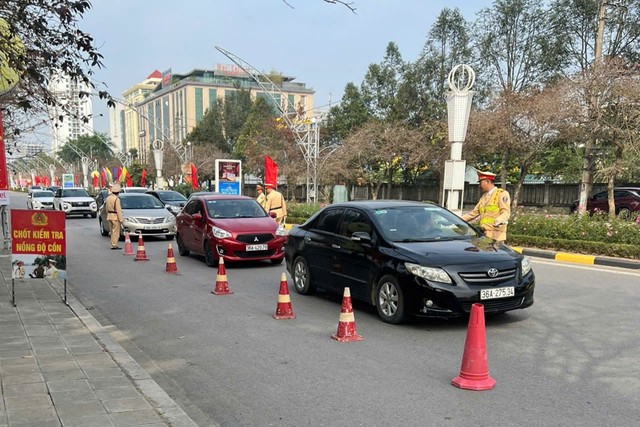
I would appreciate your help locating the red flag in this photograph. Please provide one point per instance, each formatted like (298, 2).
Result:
(128, 178)
(95, 181)
(143, 178)
(194, 176)
(270, 171)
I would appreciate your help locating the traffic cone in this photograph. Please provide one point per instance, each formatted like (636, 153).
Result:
(222, 286)
(347, 323)
(172, 267)
(141, 254)
(284, 309)
(128, 248)
(474, 373)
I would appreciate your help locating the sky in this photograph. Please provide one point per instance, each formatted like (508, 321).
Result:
(323, 45)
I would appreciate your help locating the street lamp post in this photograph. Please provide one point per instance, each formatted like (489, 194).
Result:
(461, 80)
(158, 154)
(52, 172)
(85, 170)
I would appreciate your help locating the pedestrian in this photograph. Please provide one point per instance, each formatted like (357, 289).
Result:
(493, 208)
(276, 203)
(262, 198)
(51, 270)
(114, 214)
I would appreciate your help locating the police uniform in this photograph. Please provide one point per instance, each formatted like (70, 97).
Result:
(493, 210)
(114, 214)
(262, 198)
(275, 203)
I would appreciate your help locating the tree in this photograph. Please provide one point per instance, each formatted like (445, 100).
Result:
(380, 86)
(53, 43)
(92, 146)
(349, 115)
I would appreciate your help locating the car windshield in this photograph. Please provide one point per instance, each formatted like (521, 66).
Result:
(39, 194)
(246, 208)
(75, 192)
(420, 224)
(140, 201)
(171, 196)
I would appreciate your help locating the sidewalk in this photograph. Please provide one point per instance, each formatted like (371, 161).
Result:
(59, 367)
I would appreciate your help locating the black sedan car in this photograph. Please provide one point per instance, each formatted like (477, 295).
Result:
(407, 258)
(172, 200)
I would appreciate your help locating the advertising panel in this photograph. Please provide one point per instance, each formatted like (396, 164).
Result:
(229, 176)
(67, 180)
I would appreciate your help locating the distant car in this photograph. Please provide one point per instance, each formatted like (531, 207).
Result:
(141, 190)
(201, 193)
(235, 228)
(101, 197)
(172, 200)
(626, 199)
(407, 258)
(75, 201)
(143, 214)
(34, 188)
(40, 199)
(53, 188)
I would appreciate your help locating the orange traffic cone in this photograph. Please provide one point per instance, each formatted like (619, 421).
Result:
(141, 254)
(284, 309)
(347, 323)
(222, 286)
(128, 248)
(172, 267)
(474, 373)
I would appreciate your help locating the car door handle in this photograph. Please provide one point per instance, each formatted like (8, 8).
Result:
(334, 246)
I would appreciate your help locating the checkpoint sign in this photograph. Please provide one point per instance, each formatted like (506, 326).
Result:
(38, 232)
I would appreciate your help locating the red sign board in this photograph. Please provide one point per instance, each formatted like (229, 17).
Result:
(38, 232)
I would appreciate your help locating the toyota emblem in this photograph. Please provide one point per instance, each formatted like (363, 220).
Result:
(493, 272)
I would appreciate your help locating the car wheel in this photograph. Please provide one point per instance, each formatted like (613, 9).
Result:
(169, 237)
(624, 213)
(390, 300)
(102, 230)
(301, 277)
(181, 249)
(209, 258)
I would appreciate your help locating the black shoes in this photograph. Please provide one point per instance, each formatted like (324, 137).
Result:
(115, 248)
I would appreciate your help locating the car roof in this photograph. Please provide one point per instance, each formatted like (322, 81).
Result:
(219, 196)
(380, 204)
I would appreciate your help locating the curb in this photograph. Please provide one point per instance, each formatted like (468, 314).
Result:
(579, 258)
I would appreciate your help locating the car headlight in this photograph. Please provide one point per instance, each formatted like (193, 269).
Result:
(66, 206)
(170, 219)
(36, 204)
(526, 266)
(93, 206)
(429, 273)
(220, 233)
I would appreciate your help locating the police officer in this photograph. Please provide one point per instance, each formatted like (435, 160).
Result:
(493, 208)
(262, 198)
(114, 214)
(275, 203)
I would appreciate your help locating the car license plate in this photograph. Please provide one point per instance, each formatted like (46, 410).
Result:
(497, 293)
(262, 247)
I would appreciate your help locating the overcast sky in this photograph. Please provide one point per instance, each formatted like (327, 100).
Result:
(323, 45)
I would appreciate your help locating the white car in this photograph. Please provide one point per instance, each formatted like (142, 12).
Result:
(75, 201)
(40, 199)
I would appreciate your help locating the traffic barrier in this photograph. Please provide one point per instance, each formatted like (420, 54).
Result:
(474, 372)
(172, 267)
(222, 286)
(128, 248)
(284, 309)
(347, 323)
(141, 254)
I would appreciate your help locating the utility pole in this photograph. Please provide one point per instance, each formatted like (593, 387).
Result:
(587, 166)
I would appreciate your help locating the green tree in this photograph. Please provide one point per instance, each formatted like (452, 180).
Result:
(349, 115)
(92, 146)
(381, 82)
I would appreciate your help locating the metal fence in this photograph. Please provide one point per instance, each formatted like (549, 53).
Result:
(531, 195)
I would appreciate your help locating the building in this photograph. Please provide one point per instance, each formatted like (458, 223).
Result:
(75, 109)
(116, 128)
(131, 134)
(178, 103)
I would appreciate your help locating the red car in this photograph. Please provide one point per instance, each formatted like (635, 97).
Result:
(235, 228)
(627, 202)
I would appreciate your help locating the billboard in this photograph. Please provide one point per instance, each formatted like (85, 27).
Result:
(229, 176)
(67, 180)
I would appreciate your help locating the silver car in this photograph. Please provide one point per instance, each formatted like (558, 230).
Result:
(143, 214)
(75, 201)
(40, 199)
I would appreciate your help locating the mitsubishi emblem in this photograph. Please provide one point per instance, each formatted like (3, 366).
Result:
(493, 272)
(255, 239)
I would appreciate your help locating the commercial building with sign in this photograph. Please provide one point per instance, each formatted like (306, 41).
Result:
(178, 103)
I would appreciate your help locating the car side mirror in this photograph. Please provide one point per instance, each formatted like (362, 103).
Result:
(361, 236)
(197, 217)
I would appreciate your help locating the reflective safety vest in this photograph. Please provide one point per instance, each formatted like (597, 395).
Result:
(490, 211)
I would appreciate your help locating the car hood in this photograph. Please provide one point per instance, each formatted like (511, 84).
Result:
(450, 252)
(246, 225)
(147, 213)
(78, 199)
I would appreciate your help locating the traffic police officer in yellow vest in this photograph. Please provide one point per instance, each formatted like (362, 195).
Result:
(494, 208)
(114, 214)
(275, 203)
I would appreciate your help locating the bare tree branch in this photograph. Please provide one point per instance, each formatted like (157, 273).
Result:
(348, 5)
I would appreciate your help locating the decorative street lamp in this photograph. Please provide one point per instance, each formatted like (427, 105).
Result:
(52, 172)
(85, 170)
(158, 154)
(461, 80)
(33, 177)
